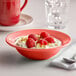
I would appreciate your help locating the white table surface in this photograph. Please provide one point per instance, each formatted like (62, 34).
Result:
(13, 64)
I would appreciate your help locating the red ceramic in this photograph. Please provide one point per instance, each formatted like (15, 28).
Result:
(10, 11)
(38, 54)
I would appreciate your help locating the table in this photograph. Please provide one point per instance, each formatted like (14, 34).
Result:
(13, 64)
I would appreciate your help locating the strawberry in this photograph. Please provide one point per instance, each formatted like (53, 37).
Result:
(42, 42)
(33, 36)
(50, 39)
(30, 43)
(44, 34)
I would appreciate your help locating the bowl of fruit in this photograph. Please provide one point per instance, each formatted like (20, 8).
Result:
(38, 44)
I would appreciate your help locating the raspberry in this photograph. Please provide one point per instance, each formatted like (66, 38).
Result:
(30, 43)
(44, 34)
(33, 36)
(50, 39)
(42, 42)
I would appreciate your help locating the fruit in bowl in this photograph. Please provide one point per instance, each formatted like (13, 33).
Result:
(38, 41)
(38, 44)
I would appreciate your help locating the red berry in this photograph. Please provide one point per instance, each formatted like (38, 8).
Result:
(42, 42)
(50, 39)
(30, 43)
(33, 36)
(44, 34)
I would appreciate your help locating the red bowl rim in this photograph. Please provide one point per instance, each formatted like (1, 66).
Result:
(17, 47)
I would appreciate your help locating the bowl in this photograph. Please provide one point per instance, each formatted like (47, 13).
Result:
(38, 54)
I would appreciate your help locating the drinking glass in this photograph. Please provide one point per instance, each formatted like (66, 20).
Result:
(56, 13)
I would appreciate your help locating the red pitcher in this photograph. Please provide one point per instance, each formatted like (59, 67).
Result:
(10, 11)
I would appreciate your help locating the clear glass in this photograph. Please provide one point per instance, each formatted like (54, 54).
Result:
(56, 13)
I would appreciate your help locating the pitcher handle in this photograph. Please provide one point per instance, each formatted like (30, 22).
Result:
(24, 5)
